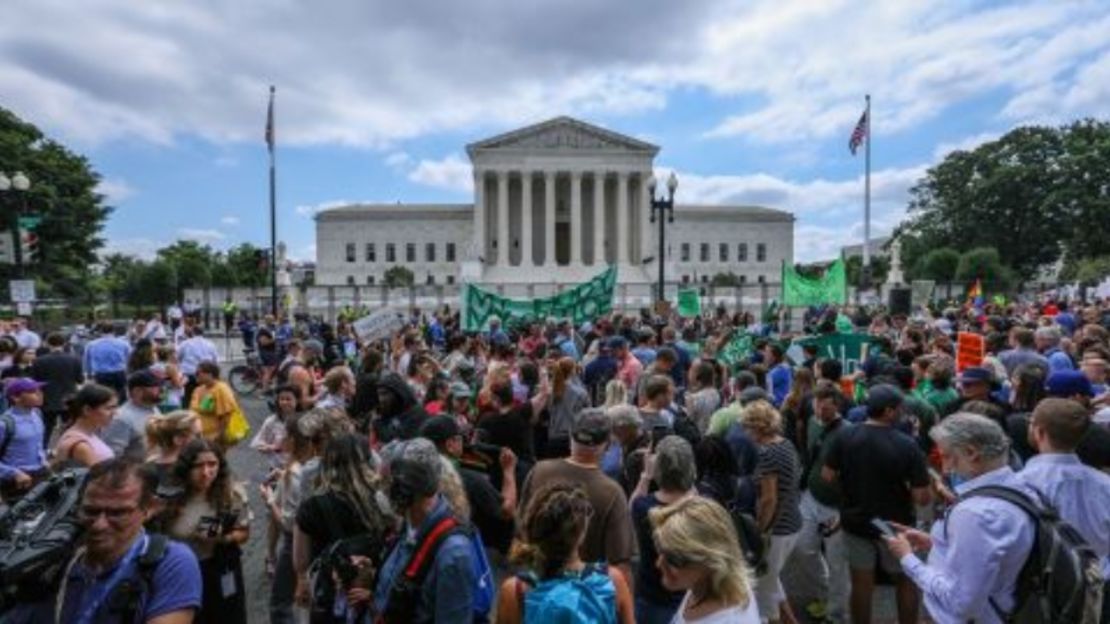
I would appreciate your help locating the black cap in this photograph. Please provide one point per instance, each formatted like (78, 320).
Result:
(592, 428)
(143, 379)
(440, 429)
(881, 397)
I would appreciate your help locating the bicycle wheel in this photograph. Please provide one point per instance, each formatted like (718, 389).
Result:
(243, 379)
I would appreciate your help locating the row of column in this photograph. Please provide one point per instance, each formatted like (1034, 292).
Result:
(623, 237)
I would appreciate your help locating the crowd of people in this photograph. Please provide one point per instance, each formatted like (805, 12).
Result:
(618, 470)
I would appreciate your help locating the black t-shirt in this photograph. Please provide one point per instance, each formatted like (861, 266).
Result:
(877, 468)
(512, 429)
(485, 510)
(326, 518)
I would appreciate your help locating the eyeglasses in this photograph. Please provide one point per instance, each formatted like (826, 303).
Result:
(675, 560)
(115, 515)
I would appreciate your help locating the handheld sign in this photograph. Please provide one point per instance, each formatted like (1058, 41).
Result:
(970, 350)
(378, 326)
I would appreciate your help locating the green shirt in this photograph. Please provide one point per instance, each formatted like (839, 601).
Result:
(721, 419)
(940, 400)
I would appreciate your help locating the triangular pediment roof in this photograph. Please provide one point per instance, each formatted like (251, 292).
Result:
(563, 134)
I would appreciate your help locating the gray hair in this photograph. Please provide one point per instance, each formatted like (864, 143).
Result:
(965, 430)
(675, 469)
(419, 450)
(624, 416)
(1050, 334)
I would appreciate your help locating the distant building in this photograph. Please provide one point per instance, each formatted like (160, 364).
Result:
(880, 248)
(557, 202)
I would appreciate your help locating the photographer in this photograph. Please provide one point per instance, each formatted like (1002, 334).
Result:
(213, 518)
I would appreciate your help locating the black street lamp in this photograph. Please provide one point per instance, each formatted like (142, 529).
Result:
(664, 206)
(20, 184)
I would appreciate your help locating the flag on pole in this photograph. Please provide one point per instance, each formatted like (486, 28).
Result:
(975, 293)
(270, 122)
(858, 134)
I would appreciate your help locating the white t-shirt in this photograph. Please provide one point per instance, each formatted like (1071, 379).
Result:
(748, 614)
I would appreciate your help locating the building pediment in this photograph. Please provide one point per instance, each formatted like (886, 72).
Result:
(562, 134)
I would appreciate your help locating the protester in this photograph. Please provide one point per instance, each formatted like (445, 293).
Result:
(213, 401)
(699, 555)
(702, 396)
(89, 412)
(271, 435)
(213, 517)
(568, 398)
(126, 434)
(166, 436)
(61, 372)
(106, 360)
(22, 458)
(559, 584)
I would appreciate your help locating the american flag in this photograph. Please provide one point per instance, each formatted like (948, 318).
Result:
(858, 134)
(270, 122)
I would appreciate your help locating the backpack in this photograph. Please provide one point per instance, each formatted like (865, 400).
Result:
(1061, 580)
(37, 535)
(125, 599)
(586, 598)
(9, 432)
(404, 596)
(751, 539)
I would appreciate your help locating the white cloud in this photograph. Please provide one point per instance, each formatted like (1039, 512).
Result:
(964, 144)
(452, 173)
(115, 190)
(143, 248)
(230, 220)
(398, 160)
(201, 235)
(309, 210)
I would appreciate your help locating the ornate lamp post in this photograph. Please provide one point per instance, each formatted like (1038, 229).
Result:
(20, 184)
(665, 207)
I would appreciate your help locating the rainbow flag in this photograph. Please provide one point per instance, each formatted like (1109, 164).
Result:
(975, 293)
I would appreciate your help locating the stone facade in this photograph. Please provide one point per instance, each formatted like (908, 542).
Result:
(565, 198)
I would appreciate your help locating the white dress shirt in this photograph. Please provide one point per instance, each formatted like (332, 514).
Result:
(1080, 494)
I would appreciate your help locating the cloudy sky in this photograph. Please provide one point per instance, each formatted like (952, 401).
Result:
(752, 102)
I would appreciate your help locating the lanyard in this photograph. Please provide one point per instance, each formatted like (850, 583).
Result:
(106, 589)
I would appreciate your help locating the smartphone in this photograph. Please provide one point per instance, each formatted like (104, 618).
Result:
(884, 527)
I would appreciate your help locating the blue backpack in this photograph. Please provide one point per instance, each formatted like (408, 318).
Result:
(585, 598)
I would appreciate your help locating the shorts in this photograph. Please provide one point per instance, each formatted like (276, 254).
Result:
(864, 552)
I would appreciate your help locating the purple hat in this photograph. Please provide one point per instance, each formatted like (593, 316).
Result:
(19, 385)
(1068, 383)
(977, 374)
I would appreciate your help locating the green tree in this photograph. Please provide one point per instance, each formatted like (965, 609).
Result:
(721, 280)
(158, 281)
(249, 265)
(1088, 271)
(984, 263)
(192, 264)
(939, 265)
(853, 267)
(116, 278)
(63, 194)
(398, 277)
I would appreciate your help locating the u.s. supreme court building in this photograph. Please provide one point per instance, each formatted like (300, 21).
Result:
(554, 204)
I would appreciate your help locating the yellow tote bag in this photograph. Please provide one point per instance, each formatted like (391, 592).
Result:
(237, 427)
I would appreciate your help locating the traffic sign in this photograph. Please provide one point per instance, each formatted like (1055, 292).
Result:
(23, 291)
(29, 222)
(24, 309)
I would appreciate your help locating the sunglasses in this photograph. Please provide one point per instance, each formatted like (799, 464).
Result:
(676, 560)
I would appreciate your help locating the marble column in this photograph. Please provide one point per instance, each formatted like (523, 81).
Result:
(479, 215)
(647, 241)
(549, 219)
(623, 235)
(526, 259)
(599, 218)
(576, 218)
(503, 243)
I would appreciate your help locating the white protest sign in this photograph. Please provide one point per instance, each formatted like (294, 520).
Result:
(378, 325)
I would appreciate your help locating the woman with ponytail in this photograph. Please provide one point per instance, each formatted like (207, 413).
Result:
(88, 412)
(558, 583)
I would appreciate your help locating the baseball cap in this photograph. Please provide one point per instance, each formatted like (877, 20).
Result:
(460, 390)
(977, 374)
(440, 429)
(883, 396)
(1068, 383)
(19, 385)
(143, 379)
(618, 342)
(592, 428)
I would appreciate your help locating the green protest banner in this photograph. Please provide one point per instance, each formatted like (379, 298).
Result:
(850, 349)
(689, 304)
(737, 349)
(584, 302)
(798, 290)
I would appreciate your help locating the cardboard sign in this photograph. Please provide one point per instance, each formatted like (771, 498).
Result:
(970, 350)
(379, 325)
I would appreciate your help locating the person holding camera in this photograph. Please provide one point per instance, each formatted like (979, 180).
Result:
(213, 517)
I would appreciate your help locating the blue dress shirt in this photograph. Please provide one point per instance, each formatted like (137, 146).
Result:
(1080, 494)
(107, 354)
(978, 552)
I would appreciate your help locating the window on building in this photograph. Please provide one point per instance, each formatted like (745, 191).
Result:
(450, 280)
(761, 253)
(742, 252)
(369, 280)
(350, 252)
(371, 253)
(704, 279)
(431, 280)
(743, 279)
(704, 252)
(410, 252)
(350, 280)
(723, 251)
(685, 279)
(450, 252)
(390, 252)
(761, 279)
(430, 252)
(685, 251)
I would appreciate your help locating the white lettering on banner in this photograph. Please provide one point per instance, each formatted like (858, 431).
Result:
(379, 325)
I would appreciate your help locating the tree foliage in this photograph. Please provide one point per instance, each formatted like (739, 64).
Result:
(984, 263)
(398, 277)
(939, 265)
(1037, 194)
(63, 194)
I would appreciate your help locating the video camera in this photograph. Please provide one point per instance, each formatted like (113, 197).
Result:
(220, 524)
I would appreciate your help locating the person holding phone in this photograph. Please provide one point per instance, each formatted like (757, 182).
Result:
(213, 518)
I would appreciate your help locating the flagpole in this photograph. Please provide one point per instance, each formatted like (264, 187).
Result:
(273, 213)
(867, 196)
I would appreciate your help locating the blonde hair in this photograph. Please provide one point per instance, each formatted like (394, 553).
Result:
(616, 393)
(452, 489)
(701, 531)
(161, 429)
(761, 418)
